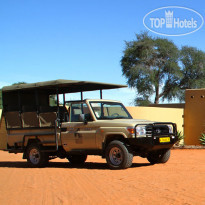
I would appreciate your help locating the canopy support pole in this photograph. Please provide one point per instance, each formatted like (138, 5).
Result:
(64, 107)
(57, 93)
(81, 93)
(100, 94)
(37, 101)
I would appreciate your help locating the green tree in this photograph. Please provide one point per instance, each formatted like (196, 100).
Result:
(192, 68)
(155, 66)
(150, 64)
(19, 83)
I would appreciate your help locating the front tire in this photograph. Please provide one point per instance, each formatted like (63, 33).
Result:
(118, 156)
(35, 157)
(161, 156)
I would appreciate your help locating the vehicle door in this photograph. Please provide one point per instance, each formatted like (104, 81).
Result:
(78, 135)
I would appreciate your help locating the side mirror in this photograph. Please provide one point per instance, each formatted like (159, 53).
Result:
(83, 119)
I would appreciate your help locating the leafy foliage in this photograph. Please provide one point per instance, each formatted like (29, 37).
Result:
(193, 69)
(19, 83)
(202, 139)
(155, 66)
(180, 137)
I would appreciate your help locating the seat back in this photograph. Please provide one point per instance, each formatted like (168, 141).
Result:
(13, 119)
(47, 116)
(29, 117)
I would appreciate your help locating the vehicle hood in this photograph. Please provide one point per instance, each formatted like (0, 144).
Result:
(122, 122)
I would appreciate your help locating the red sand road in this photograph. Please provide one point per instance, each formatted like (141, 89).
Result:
(180, 181)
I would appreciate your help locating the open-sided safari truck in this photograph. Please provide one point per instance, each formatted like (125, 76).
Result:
(43, 130)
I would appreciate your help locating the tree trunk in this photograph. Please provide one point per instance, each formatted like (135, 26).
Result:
(156, 101)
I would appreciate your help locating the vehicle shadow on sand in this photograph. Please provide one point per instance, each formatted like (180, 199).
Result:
(86, 165)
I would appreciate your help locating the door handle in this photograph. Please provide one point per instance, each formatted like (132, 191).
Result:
(76, 134)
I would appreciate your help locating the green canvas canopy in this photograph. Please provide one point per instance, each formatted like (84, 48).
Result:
(63, 86)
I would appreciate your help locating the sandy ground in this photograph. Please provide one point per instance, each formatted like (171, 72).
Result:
(180, 181)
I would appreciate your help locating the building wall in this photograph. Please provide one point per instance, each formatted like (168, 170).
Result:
(3, 133)
(194, 116)
(159, 115)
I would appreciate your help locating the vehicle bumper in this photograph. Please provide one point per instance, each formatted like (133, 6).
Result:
(148, 144)
(158, 136)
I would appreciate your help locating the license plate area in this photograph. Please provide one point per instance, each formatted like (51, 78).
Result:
(164, 139)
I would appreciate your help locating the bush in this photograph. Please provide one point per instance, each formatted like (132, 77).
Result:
(202, 139)
(180, 137)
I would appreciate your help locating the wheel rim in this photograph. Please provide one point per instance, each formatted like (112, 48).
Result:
(34, 156)
(116, 156)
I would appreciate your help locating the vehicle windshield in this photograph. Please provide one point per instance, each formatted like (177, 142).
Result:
(109, 110)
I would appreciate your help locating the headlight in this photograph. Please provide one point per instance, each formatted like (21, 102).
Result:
(170, 128)
(141, 131)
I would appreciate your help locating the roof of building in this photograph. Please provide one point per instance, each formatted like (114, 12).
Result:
(170, 105)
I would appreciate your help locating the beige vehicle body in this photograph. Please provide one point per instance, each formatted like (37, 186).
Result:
(75, 129)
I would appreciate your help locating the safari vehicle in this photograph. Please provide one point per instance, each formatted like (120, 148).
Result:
(43, 130)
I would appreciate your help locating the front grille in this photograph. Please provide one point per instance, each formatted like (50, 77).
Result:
(157, 130)
(161, 130)
(149, 131)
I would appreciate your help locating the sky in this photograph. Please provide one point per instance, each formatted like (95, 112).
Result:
(44, 40)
